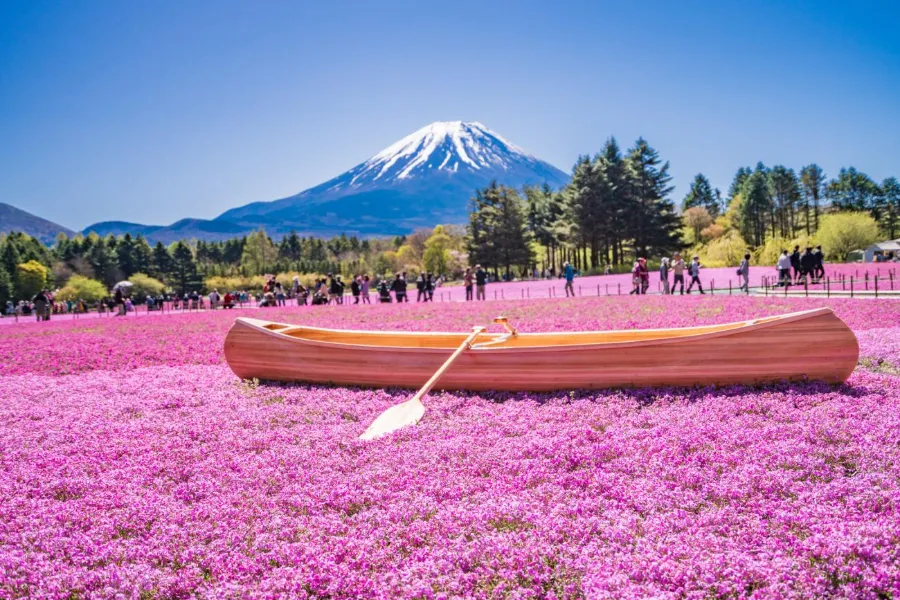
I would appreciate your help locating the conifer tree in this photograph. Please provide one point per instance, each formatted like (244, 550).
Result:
(890, 207)
(7, 293)
(656, 227)
(103, 263)
(852, 191)
(126, 255)
(701, 194)
(161, 261)
(737, 183)
(785, 189)
(812, 177)
(184, 276)
(754, 208)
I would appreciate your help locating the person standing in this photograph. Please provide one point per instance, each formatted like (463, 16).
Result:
(664, 274)
(354, 289)
(694, 272)
(429, 287)
(40, 303)
(120, 302)
(807, 264)
(783, 266)
(341, 288)
(644, 274)
(480, 282)
(214, 299)
(399, 288)
(744, 273)
(677, 272)
(334, 289)
(405, 284)
(819, 267)
(795, 263)
(570, 278)
(420, 288)
(468, 280)
(364, 290)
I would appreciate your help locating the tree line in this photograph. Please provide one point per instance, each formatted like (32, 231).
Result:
(617, 206)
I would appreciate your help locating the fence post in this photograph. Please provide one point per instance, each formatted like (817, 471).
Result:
(598, 289)
(607, 289)
(729, 287)
(712, 287)
(876, 286)
(620, 288)
(828, 287)
(851, 286)
(806, 287)
(579, 290)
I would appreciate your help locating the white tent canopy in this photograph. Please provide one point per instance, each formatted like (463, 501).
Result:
(882, 250)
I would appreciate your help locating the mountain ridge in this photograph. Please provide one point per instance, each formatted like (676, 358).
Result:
(16, 219)
(425, 178)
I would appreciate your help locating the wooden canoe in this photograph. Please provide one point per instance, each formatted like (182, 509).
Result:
(813, 345)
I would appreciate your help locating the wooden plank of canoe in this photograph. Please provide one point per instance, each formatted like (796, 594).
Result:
(820, 347)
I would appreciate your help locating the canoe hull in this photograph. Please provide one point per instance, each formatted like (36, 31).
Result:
(816, 347)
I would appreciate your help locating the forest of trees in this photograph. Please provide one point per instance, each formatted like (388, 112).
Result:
(618, 206)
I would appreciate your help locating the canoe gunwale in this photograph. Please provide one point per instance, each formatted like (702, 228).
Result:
(729, 329)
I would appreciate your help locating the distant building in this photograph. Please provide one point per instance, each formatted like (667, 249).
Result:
(883, 251)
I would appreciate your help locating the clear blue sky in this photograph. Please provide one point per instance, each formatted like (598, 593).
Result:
(154, 111)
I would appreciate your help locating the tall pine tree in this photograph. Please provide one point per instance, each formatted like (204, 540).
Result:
(701, 194)
(184, 276)
(656, 230)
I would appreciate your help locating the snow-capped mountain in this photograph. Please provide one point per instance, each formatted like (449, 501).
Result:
(423, 179)
(442, 146)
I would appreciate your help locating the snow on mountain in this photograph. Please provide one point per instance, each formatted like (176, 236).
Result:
(441, 146)
(425, 178)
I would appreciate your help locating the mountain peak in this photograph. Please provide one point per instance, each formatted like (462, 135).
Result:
(441, 146)
(427, 177)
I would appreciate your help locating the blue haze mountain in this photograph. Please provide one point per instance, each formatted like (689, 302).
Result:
(16, 219)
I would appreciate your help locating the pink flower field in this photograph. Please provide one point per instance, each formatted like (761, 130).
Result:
(133, 464)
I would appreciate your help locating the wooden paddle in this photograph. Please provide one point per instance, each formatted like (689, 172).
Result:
(409, 412)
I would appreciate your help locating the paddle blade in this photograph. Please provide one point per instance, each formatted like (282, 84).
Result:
(394, 418)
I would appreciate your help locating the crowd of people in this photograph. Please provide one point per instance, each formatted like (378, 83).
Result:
(796, 268)
(640, 274)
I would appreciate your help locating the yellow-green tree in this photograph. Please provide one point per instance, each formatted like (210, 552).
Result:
(437, 251)
(82, 288)
(842, 233)
(144, 286)
(31, 277)
(259, 254)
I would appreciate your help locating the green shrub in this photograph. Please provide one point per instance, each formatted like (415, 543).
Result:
(144, 286)
(82, 288)
(842, 233)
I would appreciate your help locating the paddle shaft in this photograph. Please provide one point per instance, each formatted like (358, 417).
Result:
(437, 374)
